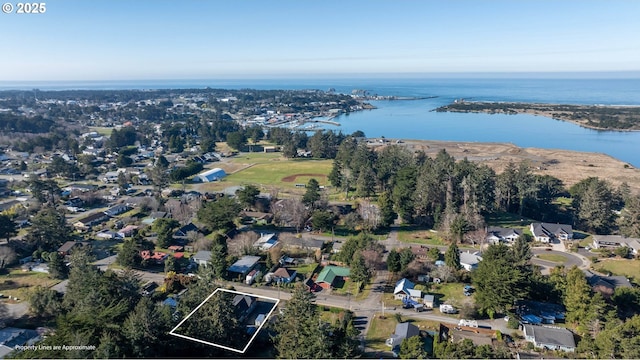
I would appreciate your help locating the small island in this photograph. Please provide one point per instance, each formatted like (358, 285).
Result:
(597, 117)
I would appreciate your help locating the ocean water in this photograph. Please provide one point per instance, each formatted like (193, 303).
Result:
(414, 119)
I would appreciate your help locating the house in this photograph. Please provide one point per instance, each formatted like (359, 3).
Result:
(429, 301)
(616, 241)
(244, 305)
(497, 234)
(549, 233)
(66, 248)
(606, 285)
(106, 234)
(117, 210)
(156, 256)
(251, 276)
(202, 257)
(402, 289)
(331, 275)
(243, 266)
(185, 230)
(284, 275)
(210, 175)
(552, 338)
(266, 241)
(469, 261)
(127, 231)
(11, 337)
(403, 331)
(302, 243)
(91, 220)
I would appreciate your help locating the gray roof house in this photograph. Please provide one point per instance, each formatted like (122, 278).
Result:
(552, 338)
(616, 241)
(11, 337)
(202, 257)
(549, 233)
(469, 261)
(606, 285)
(244, 265)
(403, 331)
(117, 210)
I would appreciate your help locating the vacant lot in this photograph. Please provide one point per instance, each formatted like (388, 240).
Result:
(410, 234)
(19, 283)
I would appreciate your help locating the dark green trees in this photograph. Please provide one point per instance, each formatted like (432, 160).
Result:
(452, 257)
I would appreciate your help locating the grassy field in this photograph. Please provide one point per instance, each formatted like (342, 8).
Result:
(556, 258)
(381, 329)
(624, 267)
(410, 234)
(18, 283)
(106, 131)
(305, 269)
(271, 170)
(350, 287)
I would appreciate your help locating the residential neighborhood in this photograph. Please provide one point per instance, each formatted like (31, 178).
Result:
(165, 197)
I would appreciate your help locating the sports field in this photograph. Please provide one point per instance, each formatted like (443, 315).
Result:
(271, 170)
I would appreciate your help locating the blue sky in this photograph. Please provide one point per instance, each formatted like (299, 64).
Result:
(184, 39)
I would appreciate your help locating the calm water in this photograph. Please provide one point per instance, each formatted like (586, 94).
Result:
(415, 120)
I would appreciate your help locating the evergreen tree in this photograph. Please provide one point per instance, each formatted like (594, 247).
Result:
(452, 257)
(359, 272)
(129, 254)
(57, 268)
(412, 348)
(164, 229)
(406, 257)
(219, 260)
(498, 283)
(387, 214)
(312, 194)
(7, 227)
(393, 261)
(298, 335)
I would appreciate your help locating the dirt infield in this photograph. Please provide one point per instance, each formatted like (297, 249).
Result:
(292, 178)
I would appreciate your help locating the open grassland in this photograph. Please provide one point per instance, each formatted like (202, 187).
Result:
(381, 329)
(105, 131)
(451, 293)
(624, 267)
(19, 283)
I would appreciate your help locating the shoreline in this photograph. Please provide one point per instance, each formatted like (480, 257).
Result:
(621, 118)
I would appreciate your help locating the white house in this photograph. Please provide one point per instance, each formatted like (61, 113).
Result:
(469, 261)
(497, 234)
(402, 289)
(210, 175)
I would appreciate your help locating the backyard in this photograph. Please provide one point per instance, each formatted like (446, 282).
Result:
(381, 329)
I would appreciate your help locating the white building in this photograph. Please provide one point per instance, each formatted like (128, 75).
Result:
(210, 175)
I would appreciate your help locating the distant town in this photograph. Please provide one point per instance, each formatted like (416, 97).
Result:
(229, 223)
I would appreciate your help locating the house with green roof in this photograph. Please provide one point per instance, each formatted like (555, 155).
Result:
(331, 275)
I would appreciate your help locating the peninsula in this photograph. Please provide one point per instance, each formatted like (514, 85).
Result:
(597, 117)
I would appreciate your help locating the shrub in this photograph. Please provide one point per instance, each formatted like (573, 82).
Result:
(513, 323)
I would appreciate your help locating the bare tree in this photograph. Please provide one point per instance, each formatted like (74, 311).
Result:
(370, 214)
(291, 212)
(372, 259)
(203, 244)
(7, 256)
(242, 244)
(445, 273)
(180, 211)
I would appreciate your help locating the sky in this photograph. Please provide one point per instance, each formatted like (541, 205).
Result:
(192, 39)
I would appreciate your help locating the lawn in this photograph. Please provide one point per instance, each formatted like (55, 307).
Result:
(624, 267)
(556, 258)
(305, 269)
(381, 329)
(350, 287)
(18, 283)
(410, 234)
(451, 293)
